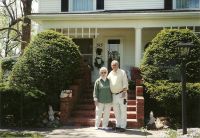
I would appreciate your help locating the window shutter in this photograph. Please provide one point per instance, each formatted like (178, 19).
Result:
(100, 4)
(168, 4)
(64, 5)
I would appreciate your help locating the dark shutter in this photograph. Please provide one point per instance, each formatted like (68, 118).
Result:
(64, 5)
(100, 4)
(168, 4)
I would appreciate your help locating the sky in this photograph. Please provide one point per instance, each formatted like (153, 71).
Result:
(35, 6)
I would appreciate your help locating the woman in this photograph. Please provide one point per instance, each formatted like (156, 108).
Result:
(102, 98)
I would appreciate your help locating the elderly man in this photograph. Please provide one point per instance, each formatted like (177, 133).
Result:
(119, 86)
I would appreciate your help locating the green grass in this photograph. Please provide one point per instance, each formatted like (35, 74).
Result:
(7, 134)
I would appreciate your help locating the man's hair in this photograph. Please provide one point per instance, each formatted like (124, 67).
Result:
(115, 62)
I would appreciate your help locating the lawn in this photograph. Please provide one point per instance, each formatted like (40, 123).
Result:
(7, 134)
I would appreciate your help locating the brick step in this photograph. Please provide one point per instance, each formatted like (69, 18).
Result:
(131, 123)
(89, 113)
(90, 101)
(90, 92)
(92, 107)
(131, 97)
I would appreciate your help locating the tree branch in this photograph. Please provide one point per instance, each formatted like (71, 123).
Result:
(9, 28)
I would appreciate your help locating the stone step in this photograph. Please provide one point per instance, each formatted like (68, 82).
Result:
(92, 107)
(91, 114)
(131, 123)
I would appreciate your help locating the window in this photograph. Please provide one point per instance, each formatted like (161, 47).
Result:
(187, 4)
(82, 5)
(86, 49)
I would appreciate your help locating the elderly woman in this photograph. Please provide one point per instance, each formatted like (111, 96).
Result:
(102, 98)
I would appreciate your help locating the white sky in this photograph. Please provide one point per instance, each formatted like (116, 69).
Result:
(35, 6)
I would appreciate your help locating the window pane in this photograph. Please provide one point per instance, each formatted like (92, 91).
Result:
(82, 5)
(181, 4)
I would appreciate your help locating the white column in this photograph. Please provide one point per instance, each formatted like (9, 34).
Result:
(138, 46)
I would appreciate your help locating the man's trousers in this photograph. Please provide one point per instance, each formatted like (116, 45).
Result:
(120, 110)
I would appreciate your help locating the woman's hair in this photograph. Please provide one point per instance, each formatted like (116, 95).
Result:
(102, 69)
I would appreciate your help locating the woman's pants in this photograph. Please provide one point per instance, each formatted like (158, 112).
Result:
(102, 108)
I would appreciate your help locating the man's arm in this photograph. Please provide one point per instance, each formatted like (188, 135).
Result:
(125, 81)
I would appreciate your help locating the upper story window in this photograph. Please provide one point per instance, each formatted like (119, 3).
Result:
(187, 4)
(82, 5)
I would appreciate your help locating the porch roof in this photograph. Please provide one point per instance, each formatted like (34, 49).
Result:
(116, 14)
(115, 19)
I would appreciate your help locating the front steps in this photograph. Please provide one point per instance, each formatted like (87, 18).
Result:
(84, 112)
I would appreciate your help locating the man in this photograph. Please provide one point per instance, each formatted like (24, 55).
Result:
(119, 87)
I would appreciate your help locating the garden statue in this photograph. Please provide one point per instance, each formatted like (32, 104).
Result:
(151, 124)
(51, 113)
(152, 118)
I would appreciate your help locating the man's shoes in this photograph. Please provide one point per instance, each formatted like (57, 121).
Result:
(122, 130)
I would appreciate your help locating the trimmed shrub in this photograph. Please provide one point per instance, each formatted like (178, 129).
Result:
(162, 53)
(164, 98)
(48, 65)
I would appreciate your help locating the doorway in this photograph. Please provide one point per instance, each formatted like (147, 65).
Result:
(114, 48)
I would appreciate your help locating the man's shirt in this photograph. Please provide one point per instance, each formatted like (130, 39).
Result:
(118, 81)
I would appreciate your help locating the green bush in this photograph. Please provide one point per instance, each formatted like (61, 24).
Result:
(6, 65)
(163, 53)
(19, 109)
(48, 65)
(164, 98)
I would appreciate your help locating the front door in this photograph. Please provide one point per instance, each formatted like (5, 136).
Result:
(114, 48)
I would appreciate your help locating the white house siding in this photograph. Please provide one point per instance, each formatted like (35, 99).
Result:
(54, 6)
(49, 6)
(133, 4)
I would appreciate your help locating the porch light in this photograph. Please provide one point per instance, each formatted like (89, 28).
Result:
(184, 50)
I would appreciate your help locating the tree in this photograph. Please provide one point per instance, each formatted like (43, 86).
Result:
(49, 64)
(17, 25)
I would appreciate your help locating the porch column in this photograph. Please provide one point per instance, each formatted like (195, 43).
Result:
(138, 46)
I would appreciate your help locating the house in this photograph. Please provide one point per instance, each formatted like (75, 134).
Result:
(115, 29)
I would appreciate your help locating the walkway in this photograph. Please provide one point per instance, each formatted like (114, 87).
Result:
(87, 132)
(68, 131)
(91, 132)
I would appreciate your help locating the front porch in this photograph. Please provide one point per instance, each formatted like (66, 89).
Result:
(124, 34)
(123, 44)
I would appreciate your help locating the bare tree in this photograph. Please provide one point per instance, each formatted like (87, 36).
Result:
(18, 26)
